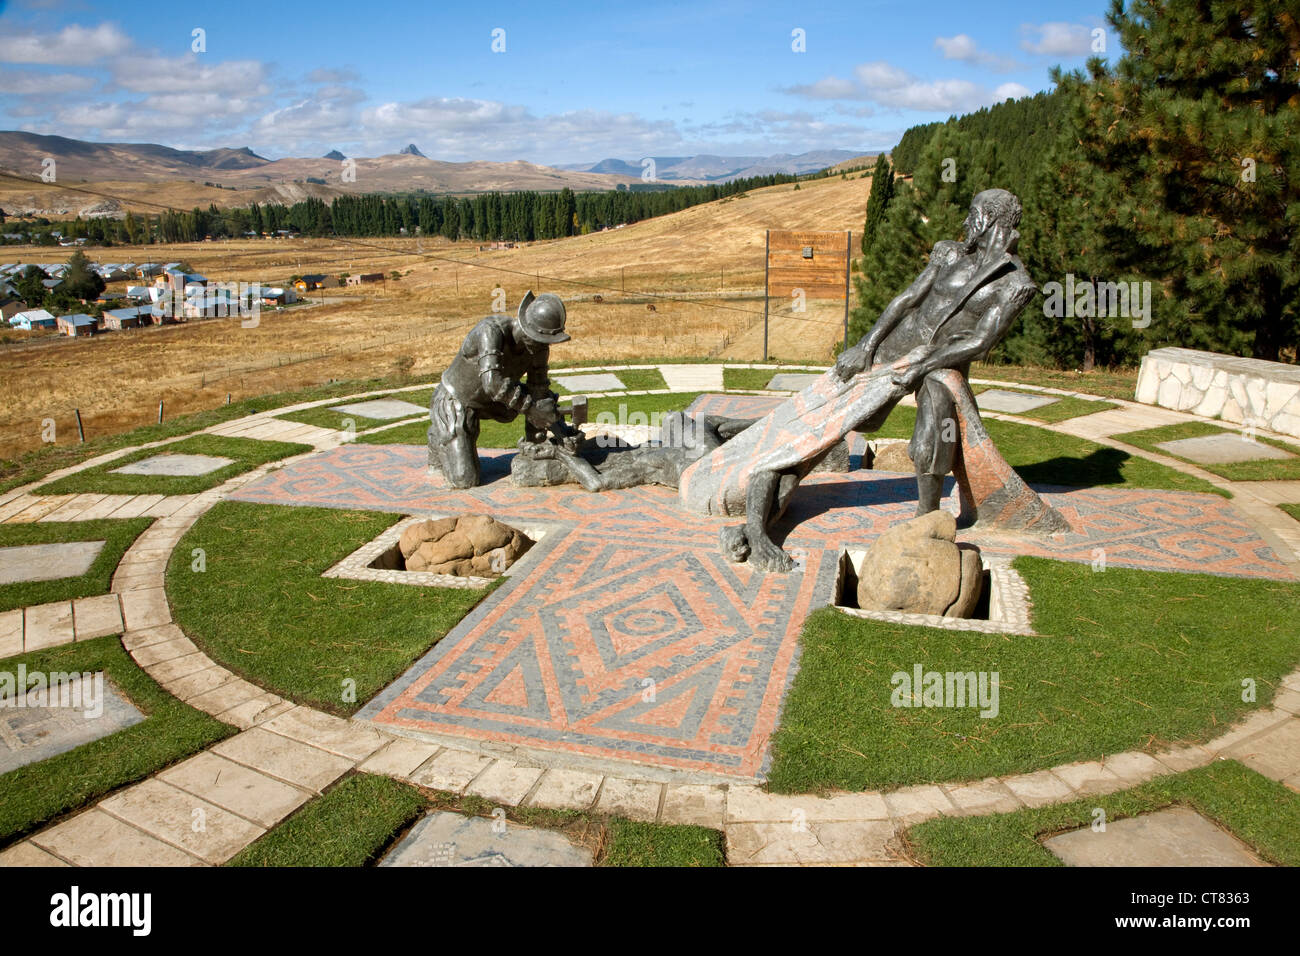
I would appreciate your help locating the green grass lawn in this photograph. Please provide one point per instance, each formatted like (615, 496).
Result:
(324, 416)
(1065, 406)
(507, 434)
(748, 379)
(1049, 457)
(33, 795)
(1259, 811)
(355, 822)
(1108, 383)
(247, 453)
(1126, 660)
(347, 826)
(1292, 510)
(262, 609)
(117, 535)
(1277, 469)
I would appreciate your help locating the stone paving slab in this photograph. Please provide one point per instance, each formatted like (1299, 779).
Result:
(633, 799)
(694, 805)
(1011, 403)
(96, 616)
(248, 793)
(381, 409)
(1177, 836)
(505, 783)
(28, 854)
(835, 842)
(182, 819)
(449, 839)
(47, 625)
(567, 789)
(73, 509)
(47, 562)
(96, 838)
(175, 465)
(11, 633)
(37, 726)
(596, 382)
(1222, 449)
(401, 757)
(289, 760)
(791, 381)
(1275, 754)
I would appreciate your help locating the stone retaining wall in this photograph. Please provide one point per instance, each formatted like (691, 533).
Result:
(1241, 390)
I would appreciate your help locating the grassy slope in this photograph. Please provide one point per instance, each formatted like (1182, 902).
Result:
(33, 795)
(247, 453)
(1257, 810)
(1277, 469)
(1104, 677)
(117, 536)
(35, 464)
(262, 608)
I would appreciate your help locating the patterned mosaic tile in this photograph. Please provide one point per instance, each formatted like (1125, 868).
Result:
(632, 638)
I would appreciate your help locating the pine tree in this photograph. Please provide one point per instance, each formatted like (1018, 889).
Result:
(1198, 127)
(952, 167)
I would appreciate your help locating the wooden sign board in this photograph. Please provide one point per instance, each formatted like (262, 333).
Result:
(816, 262)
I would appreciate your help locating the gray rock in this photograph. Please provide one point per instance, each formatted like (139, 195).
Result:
(917, 567)
(892, 456)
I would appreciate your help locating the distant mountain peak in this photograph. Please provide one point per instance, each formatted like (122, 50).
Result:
(412, 150)
(333, 154)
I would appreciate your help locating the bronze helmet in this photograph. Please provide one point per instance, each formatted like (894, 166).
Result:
(542, 318)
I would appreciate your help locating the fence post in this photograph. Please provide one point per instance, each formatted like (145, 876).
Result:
(81, 432)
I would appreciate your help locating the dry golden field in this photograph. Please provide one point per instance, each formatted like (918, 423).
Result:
(701, 270)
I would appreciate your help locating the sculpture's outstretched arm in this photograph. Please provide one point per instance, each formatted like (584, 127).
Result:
(956, 350)
(860, 357)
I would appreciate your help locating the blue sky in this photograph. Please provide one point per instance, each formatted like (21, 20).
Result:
(576, 82)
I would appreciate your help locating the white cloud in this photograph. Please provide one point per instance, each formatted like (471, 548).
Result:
(1056, 39)
(828, 88)
(73, 44)
(1010, 91)
(964, 49)
(28, 83)
(887, 85)
(189, 74)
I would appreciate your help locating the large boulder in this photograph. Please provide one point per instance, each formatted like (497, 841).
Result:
(891, 456)
(918, 567)
(474, 545)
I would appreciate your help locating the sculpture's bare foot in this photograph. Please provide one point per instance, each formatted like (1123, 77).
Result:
(734, 543)
(767, 556)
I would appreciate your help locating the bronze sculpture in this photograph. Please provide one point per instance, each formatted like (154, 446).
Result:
(487, 379)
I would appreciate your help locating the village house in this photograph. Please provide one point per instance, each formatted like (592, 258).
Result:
(315, 281)
(128, 318)
(358, 278)
(33, 319)
(78, 324)
(9, 307)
